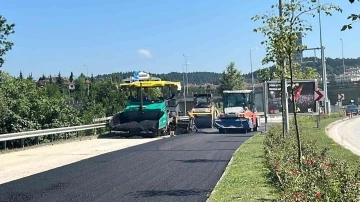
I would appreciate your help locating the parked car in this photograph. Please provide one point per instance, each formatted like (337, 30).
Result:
(352, 109)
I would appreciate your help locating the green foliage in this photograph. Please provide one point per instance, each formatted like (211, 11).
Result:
(281, 34)
(193, 77)
(266, 74)
(109, 95)
(354, 18)
(25, 106)
(231, 79)
(5, 45)
(59, 80)
(321, 177)
(30, 77)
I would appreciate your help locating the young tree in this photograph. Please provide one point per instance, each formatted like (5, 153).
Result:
(71, 78)
(50, 79)
(231, 79)
(354, 18)
(5, 45)
(280, 40)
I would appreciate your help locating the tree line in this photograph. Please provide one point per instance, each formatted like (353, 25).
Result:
(334, 66)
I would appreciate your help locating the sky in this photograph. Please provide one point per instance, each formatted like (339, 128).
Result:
(106, 36)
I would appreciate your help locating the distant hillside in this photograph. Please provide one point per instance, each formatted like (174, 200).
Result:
(193, 77)
(333, 66)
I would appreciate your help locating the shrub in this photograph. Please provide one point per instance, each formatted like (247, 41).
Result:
(320, 177)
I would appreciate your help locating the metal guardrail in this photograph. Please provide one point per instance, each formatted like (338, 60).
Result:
(37, 133)
(102, 119)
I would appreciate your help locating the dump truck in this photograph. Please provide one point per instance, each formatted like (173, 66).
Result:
(204, 110)
(239, 112)
(151, 111)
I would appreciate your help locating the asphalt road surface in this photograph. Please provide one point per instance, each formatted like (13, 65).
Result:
(346, 133)
(182, 168)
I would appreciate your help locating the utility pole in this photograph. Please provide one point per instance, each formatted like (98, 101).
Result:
(343, 59)
(285, 107)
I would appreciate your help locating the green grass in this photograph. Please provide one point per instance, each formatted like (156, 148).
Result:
(245, 179)
(323, 141)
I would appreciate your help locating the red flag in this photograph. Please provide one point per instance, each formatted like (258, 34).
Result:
(297, 92)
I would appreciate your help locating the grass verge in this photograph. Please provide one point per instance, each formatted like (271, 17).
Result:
(245, 178)
(323, 141)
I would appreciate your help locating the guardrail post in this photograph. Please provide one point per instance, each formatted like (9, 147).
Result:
(4, 145)
(51, 138)
(22, 143)
(37, 140)
(77, 133)
(66, 136)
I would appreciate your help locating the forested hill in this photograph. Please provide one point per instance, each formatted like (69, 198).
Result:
(193, 77)
(334, 66)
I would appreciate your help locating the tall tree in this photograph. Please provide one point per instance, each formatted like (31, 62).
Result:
(43, 77)
(21, 76)
(71, 78)
(281, 33)
(50, 79)
(231, 79)
(5, 45)
(30, 77)
(354, 18)
(59, 80)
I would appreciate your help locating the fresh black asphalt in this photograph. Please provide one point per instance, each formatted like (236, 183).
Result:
(182, 168)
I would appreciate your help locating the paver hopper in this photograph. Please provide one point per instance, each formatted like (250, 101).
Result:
(147, 112)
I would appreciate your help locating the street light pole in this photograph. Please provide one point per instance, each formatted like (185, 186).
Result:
(323, 64)
(343, 59)
(184, 90)
(285, 107)
(251, 66)
(87, 80)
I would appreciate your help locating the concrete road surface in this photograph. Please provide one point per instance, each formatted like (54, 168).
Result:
(33, 160)
(181, 168)
(347, 134)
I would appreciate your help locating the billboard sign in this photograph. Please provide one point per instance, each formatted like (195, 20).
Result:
(303, 94)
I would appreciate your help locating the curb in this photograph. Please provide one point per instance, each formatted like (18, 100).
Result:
(227, 166)
(342, 142)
